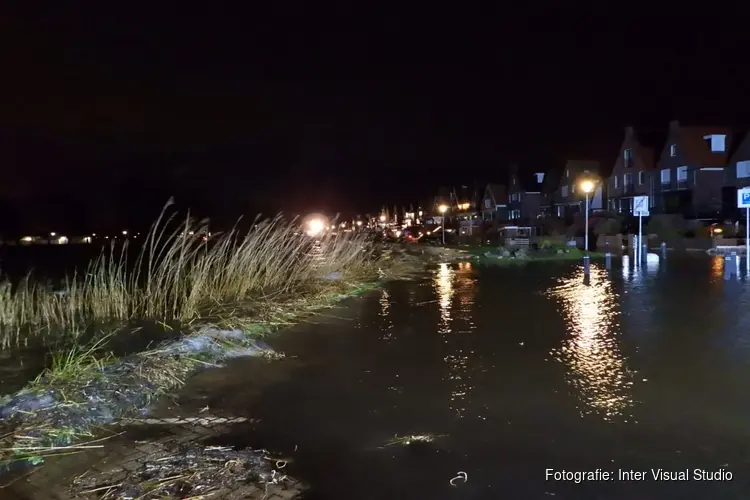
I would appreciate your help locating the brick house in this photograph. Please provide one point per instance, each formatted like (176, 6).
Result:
(494, 205)
(525, 196)
(632, 174)
(568, 200)
(690, 171)
(737, 172)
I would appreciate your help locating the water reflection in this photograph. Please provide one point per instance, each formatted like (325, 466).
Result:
(458, 373)
(636, 273)
(455, 290)
(443, 284)
(597, 368)
(385, 309)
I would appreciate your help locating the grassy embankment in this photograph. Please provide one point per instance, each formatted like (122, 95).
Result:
(253, 282)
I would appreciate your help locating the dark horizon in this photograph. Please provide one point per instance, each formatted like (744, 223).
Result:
(107, 113)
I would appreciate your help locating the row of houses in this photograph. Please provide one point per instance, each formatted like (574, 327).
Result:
(693, 171)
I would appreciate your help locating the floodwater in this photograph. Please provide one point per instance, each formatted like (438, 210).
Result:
(517, 371)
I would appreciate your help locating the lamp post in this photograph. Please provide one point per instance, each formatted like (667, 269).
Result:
(443, 209)
(587, 187)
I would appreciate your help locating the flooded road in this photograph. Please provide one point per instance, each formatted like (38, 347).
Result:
(516, 371)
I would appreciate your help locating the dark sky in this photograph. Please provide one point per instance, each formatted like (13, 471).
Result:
(304, 106)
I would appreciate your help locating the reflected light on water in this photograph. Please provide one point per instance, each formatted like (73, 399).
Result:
(597, 368)
(385, 309)
(717, 267)
(636, 273)
(458, 365)
(455, 290)
(443, 284)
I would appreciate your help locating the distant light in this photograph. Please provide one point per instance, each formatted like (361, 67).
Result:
(27, 239)
(315, 227)
(718, 230)
(93, 234)
(443, 208)
(191, 233)
(62, 240)
(382, 218)
(398, 234)
(359, 222)
(53, 234)
(587, 186)
(125, 233)
(87, 239)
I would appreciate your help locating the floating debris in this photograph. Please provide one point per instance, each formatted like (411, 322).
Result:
(413, 439)
(187, 471)
(205, 420)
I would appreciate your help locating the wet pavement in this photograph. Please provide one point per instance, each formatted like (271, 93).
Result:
(521, 373)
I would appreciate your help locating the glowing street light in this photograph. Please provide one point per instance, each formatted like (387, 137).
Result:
(315, 227)
(442, 209)
(382, 218)
(587, 186)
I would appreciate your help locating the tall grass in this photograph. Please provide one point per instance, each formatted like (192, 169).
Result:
(178, 276)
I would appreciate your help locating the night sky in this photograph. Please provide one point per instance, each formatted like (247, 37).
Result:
(302, 106)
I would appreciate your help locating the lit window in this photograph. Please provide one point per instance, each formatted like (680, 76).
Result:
(539, 177)
(564, 191)
(673, 150)
(617, 182)
(641, 178)
(487, 203)
(627, 179)
(665, 176)
(743, 169)
(567, 172)
(717, 142)
(681, 174)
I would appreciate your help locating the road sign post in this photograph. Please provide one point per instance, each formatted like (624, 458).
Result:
(640, 209)
(743, 201)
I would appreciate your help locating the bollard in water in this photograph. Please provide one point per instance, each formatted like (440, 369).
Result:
(608, 260)
(586, 267)
(728, 265)
(644, 253)
(663, 250)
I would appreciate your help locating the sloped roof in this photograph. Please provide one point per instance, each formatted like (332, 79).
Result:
(739, 137)
(694, 147)
(499, 193)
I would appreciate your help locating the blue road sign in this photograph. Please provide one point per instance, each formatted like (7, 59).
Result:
(743, 198)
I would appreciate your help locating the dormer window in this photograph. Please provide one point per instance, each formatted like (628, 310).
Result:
(539, 177)
(628, 157)
(567, 172)
(673, 150)
(717, 142)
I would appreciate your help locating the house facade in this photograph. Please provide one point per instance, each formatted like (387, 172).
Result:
(494, 205)
(568, 200)
(632, 174)
(690, 173)
(526, 197)
(737, 172)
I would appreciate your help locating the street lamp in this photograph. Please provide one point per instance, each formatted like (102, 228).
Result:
(442, 209)
(587, 186)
